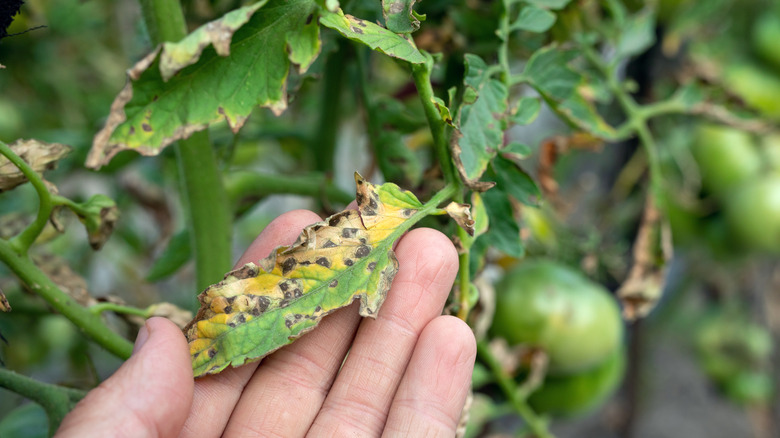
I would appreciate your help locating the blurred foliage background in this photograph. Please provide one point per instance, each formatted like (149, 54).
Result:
(702, 364)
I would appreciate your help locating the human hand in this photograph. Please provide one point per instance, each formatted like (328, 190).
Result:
(407, 374)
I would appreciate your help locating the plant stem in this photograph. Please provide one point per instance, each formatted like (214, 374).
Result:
(99, 308)
(208, 209)
(508, 386)
(503, 48)
(90, 324)
(323, 144)
(22, 242)
(464, 278)
(422, 80)
(57, 401)
(241, 184)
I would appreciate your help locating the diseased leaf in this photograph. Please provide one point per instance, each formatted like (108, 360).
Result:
(174, 313)
(258, 309)
(398, 16)
(461, 213)
(39, 155)
(4, 306)
(99, 215)
(151, 113)
(481, 121)
(533, 19)
(549, 73)
(373, 35)
(515, 181)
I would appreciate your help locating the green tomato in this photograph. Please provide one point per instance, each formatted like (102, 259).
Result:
(765, 37)
(580, 393)
(758, 87)
(753, 213)
(726, 157)
(555, 308)
(750, 387)
(728, 344)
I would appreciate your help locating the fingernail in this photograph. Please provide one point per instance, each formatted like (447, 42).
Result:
(143, 335)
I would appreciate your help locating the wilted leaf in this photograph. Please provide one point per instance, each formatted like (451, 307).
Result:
(4, 306)
(151, 113)
(258, 309)
(399, 17)
(39, 155)
(373, 35)
(70, 282)
(481, 121)
(549, 73)
(99, 215)
(461, 213)
(175, 314)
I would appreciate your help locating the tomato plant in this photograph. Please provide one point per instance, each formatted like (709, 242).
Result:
(611, 168)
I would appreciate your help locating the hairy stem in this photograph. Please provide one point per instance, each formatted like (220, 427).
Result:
(90, 324)
(22, 242)
(57, 401)
(208, 208)
(508, 386)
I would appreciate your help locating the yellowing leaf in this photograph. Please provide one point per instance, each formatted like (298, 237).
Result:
(258, 309)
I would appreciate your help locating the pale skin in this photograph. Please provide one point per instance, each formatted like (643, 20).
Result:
(407, 374)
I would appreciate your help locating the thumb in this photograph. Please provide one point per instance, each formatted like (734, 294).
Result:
(148, 396)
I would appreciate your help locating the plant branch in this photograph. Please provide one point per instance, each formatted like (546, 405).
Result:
(508, 386)
(90, 324)
(323, 144)
(208, 209)
(22, 242)
(242, 184)
(99, 308)
(57, 401)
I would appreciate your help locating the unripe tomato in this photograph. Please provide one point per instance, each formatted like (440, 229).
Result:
(550, 306)
(759, 88)
(753, 213)
(726, 157)
(582, 392)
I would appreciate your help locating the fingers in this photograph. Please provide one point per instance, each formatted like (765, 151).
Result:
(360, 398)
(149, 394)
(216, 396)
(437, 381)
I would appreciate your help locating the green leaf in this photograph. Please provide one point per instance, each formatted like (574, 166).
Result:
(349, 256)
(517, 151)
(504, 232)
(398, 16)
(481, 120)
(533, 19)
(373, 35)
(549, 4)
(549, 73)
(26, 421)
(515, 181)
(638, 34)
(175, 255)
(527, 110)
(151, 113)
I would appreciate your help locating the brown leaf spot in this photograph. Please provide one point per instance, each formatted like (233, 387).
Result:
(288, 324)
(283, 286)
(368, 212)
(371, 266)
(318, 309)
(349, 262)
(228, 309)
(362, 251)
(212, 353)
(349, 232)
(288, 265)
(328, 244)
(324, 262)
(262, 303)
(408, 212)
(309, 18)
(298, 293)
(334, 283)
(146, 127)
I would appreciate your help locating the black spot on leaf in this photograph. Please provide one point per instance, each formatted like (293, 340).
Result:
(324, 262)
(288, 265)
(362, 251)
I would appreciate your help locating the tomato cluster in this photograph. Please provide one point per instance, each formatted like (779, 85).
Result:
(576, 322)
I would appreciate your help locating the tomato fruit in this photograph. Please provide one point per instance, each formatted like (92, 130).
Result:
(582, 392)
(759, 88)
(726, 157)
(550, 306)
(753, 213)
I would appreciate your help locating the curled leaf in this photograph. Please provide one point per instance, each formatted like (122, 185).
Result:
(99, 215)
(257, 309)
(462, 215)
(39, 155)
(399, 17)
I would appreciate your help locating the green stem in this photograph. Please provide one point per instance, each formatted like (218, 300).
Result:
(508, 386)
(324, 142)
(242, 184)
(22, 242)
(57, 401)
(503, 48)
(422, 80)
(99, 308)
(464, 277)
(208, 209)
(90, 324)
